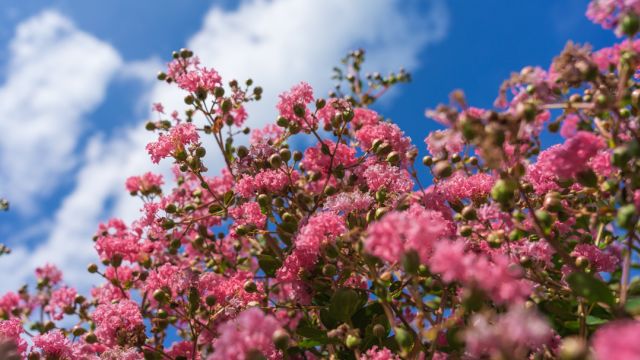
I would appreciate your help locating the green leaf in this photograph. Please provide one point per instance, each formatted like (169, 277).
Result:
(632, 306)
(269, 264)
(229, 199)
(593, 320)
(590, 288)
(344, 303)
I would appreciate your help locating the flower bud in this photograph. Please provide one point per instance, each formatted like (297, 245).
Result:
(250, 286)
(242, 151)
(465, 230)
(91, 338)
(282, 121)
(629, 24)
(352, 341)
(92, 268)
(285, 154)
(442, 169)
(469, 212)
(329, 270)
(573, 348)
(281, 339)
(379, 331)
(427, 160)
(275, 161)
(626, 215)
(299, 110)
(297, 155)
(503, 190)
(393, 157)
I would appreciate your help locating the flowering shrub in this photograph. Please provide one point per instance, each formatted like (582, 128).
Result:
(338, 251)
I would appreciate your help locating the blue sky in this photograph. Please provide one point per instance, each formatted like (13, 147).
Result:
(76, 84)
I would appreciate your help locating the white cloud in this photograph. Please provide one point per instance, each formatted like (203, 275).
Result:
(278, 43)
(56, 75)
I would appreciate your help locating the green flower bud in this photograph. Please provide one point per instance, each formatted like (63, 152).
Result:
(626, 215)
(281, 339)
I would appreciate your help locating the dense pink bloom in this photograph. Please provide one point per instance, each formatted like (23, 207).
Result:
(516, 331)
(497, 277)
(251, 331)
(118, 322)
(364, 117)
(227, 289)
(145, 184)
(333, 108)
(114, 238)
(387, 132)
(318, 230)
(389, 177)
(601, 164)
(8, 303)
(269, 132)
(122, 354)
(564, 161)
(190, 76)
(248, 213)
(349, 201)
(157, 107)
(446, 141)
(60, 299)
(49, 273)
(398, 232)
(267, 181)
(167, 144)
(600, 260)
(570, 126)
(376, 353)
(617, 340)
(300, 95)
(460, 186)
(53, 344)
(11, 330)
(169, 277)
(315, 160)
(608, 13)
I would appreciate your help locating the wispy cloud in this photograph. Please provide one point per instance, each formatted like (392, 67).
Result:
(56, 75)
(278, 43)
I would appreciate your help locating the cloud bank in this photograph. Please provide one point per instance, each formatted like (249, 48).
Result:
(278, 43)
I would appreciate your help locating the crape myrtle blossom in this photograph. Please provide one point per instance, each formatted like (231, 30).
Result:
(320, 238)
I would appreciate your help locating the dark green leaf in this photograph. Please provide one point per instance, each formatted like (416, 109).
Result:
(590, 288)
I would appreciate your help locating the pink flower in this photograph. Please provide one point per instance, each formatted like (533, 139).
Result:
(398, 232)
(601, 164)
(250, 333)
(517, 331)
(600, 260)
(299, 96)
(444, 141)
(570, 126)
(119, 323)
(319, 229)
(114, 238)
(190, 76)
(389, 177)
(268, 181)
(248, 213)
(364, 117)
(564, 161)
(269, 132)
(145, 184)
(498, 278)
(376, 353)
(228, 290)
(346, 202)
(332, 109)
(11, 330)
(8, 303)
(53, 344)
(60, 299)
(460, 186)
(315, 160)
(175, 141)
(617, 340)
(387, 132)
(168, 277)
(49, 273)
(157, 107)
(119, 353)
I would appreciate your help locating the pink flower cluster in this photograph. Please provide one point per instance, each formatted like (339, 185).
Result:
(497, 277)
(250, 334)
(517, 329)
(298, 97)
(617, 340)
(190, 76)
(116, 323)
(600, 260)
(318, 230)
(169, 144)
(398, 232)
(145, 184)
(266, 181)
